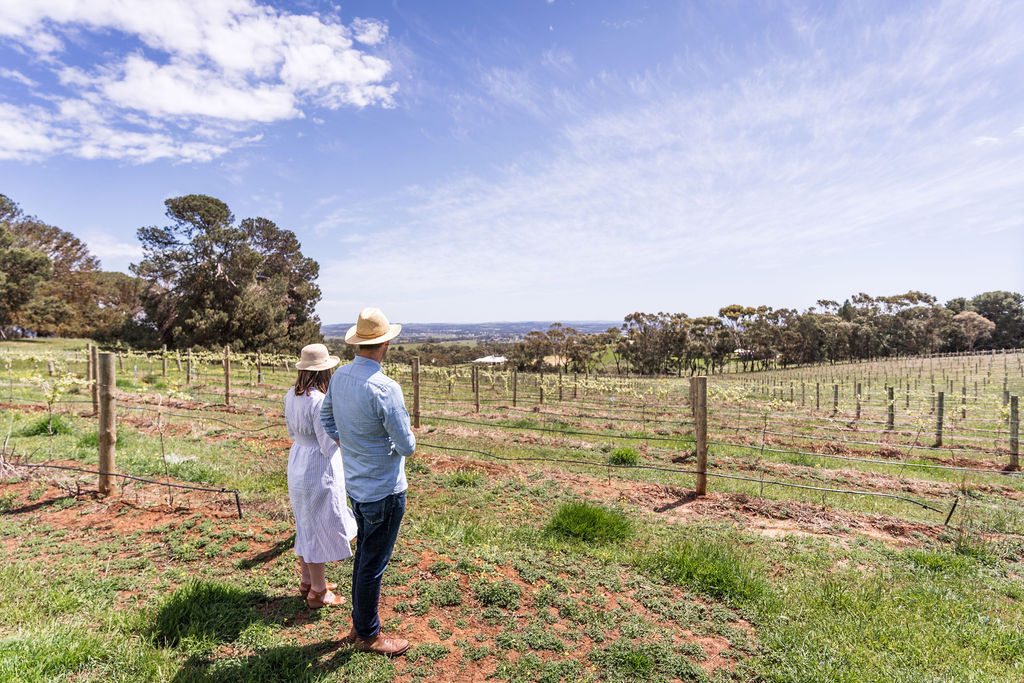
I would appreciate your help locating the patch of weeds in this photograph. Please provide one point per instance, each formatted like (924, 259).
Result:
(431, 651)
(471, 652)
(446, 593)
(7, 501)
(711, 567)
(530, 667)
(42, 426)
(625, 660)
(416, 466)
(502, 593)
(589, 523)
(464, 478)
(240, 547)
(624, 456)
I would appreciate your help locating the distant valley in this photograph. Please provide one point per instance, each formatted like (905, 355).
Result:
(485, 332)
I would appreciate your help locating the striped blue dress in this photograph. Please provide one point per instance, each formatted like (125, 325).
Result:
(324, 524)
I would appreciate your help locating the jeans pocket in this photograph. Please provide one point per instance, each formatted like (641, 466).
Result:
(374, 513)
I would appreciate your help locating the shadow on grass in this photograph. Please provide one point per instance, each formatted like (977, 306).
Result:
(290, 663)
(282, 546)
(211, 613)
(685, 500)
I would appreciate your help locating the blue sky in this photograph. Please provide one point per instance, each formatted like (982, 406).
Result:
(535, 160)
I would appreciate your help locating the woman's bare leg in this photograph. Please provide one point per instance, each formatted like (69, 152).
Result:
(317, 580)
(304, 571)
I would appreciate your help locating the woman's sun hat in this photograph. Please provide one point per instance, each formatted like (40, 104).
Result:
(372, 327)
(316, 357)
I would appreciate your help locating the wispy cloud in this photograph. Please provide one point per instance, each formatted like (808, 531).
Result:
(793, 159)
(189, 69)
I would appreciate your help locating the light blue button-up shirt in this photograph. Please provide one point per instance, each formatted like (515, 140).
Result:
(364, 409)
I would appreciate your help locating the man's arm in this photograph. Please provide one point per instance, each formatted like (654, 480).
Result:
(327, 415)
(396, 422)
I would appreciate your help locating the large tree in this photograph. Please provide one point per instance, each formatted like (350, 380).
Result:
(210, 281)
(21, 273)
(1006, 310)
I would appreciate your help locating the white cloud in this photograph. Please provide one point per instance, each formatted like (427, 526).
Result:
(114, 254)
(208, 65)
(369, 31)
(15, 75)
(787, 164)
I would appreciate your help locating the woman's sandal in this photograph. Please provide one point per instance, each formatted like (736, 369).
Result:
(315, 599)
(304, 588)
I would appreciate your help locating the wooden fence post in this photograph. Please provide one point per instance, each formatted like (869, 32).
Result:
(476, 387)
(938, 420)
(188, 367)
(559, 384)
(108, 422)
(858, 400)
(177, 360)
(259, 369)
(890, 397)
(227, 374)
(93, 357)
(1014, 434)
(416, 391)
(817, 395)
(163, 361)
(700, 385)
(515, 387)
(835, 400)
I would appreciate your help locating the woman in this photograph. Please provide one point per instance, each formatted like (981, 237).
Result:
(324, 525)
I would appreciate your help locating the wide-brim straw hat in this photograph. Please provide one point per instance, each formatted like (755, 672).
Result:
(372, 327)
(316, 357)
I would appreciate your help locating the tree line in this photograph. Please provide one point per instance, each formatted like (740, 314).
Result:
(205, 280)
(862, 327)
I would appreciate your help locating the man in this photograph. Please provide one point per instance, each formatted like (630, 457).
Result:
(364, 411)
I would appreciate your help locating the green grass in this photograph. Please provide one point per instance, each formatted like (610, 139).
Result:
(42, 426)
(624, 456)
(718, 569)
(589, 523)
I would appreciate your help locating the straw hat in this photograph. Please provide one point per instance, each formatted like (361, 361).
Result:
(316, 357)
(372, 327)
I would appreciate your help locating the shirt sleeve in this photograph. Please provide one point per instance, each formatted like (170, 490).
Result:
(327, 415)
(327, 444)
(396, 422)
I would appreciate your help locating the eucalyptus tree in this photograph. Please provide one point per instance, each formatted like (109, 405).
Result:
(210, 281)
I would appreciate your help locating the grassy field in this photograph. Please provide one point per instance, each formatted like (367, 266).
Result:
(562, 542)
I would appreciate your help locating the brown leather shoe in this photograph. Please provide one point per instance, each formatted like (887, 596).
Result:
(382, 645)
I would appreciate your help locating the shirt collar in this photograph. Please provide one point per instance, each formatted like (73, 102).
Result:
(362, 360)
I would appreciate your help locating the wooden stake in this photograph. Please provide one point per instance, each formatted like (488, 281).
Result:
(227, 375)
(93, 356)
(891, 421)
(701, 392)
(476, 387)
(938, 420)
(1014, 434)
(107, 422)
(416, 391)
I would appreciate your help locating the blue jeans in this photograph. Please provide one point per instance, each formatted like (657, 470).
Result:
(377, 525)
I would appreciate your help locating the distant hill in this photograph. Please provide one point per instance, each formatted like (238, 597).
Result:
(487, 332)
